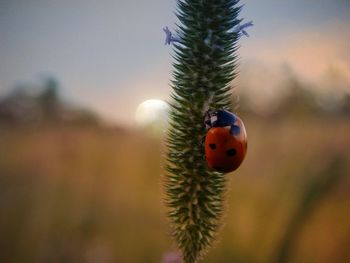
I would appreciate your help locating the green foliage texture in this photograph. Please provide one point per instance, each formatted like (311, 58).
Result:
(205, 65)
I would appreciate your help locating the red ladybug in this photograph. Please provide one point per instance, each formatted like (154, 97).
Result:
(225, 146)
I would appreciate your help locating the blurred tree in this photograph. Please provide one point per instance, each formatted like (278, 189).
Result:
(24, 105)
(49, 100)
(298, 99)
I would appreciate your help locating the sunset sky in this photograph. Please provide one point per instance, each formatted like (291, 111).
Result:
(110, 54)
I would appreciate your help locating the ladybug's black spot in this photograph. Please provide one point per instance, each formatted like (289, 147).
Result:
(231, 152)
(212, 146)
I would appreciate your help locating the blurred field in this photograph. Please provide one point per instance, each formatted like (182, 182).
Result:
(93, 194)
(77, 188)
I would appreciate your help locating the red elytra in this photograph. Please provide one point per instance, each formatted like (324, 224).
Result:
(225, 151)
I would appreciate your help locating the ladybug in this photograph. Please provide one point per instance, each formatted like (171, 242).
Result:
(225, 142)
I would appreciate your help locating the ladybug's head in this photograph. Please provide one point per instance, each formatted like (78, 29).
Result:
(210, 119)
(219, 118)
(225, 118)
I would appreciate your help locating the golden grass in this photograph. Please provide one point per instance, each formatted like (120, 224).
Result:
(94, 195)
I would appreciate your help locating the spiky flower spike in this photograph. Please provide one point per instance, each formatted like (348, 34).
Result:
(205, 64)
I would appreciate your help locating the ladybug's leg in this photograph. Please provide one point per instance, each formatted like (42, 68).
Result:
(235, 130)
(207, 120)
(214, 120)
(208, 124)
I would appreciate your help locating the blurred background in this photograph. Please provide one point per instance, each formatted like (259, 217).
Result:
(81, 151)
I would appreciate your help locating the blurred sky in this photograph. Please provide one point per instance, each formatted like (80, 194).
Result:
(110, 54)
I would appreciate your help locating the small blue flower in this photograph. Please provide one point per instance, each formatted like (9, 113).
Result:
(221, 48)
(169, 38)
(240, 29)
(209, 39)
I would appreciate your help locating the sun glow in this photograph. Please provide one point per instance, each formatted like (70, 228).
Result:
(152, 112)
